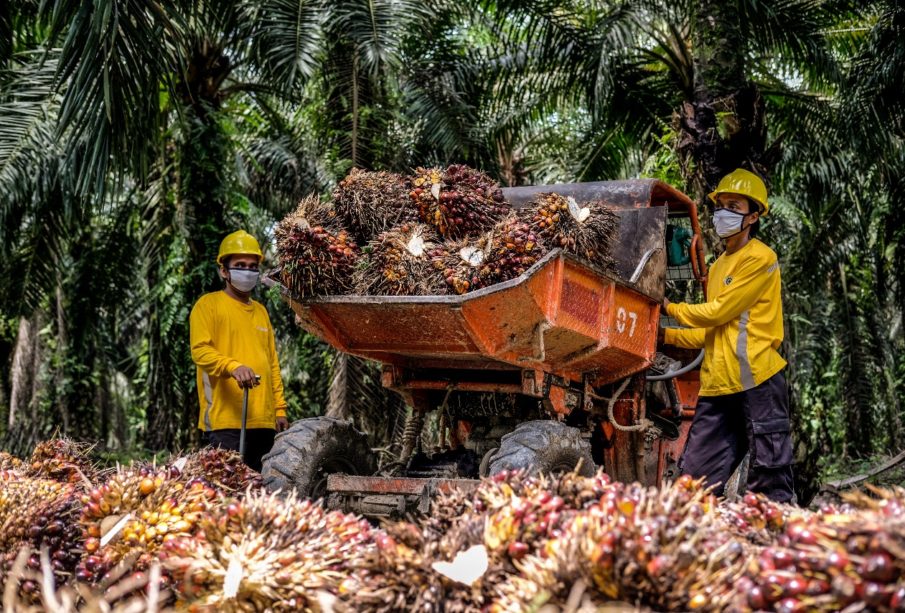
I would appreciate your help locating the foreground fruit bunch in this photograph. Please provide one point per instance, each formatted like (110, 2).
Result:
(830, 560)
(266, 553)
(39, 513)
(136, 512)
(156, 536)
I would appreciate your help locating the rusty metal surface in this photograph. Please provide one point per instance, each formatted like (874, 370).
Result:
(562, 316)
(340, 483)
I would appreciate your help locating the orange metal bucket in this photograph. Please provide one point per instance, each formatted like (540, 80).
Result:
(561, 316)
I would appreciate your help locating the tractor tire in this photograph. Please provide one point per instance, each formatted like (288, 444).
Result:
(311, 449)
(543, 447)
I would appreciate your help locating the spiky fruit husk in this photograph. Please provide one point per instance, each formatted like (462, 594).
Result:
(399, 264)
(514, 248)
(123, 591)
(39, 513)
(61, 459)
(592, 239)
(663, 548)
(317, 256)
(10, 462)
(458, 201)
(223, 468)
(462, 264)
(265, 553)
(850, 556)
(369, 203)
(135, 513)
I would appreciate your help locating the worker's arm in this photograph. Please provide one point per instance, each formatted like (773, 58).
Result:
(204, 354)
(747, 287)
(687, 338)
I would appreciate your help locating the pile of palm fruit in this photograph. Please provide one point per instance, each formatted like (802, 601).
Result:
(198, 533)
(438, 231)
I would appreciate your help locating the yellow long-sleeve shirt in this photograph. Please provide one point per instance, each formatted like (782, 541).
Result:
(226, 334)
(740, 326)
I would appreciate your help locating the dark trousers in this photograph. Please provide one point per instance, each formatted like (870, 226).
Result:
(725, 428)
(258, 441)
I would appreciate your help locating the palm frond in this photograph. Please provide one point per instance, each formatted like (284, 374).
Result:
(115, 56)
(286, 39)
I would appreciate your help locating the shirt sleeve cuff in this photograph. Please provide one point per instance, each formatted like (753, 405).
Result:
(281, 412)
(231, 366)
(671, 308)
(669, 336)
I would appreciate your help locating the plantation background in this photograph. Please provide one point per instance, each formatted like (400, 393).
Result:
(135, 134)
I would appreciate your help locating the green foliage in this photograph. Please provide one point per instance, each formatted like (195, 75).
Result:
(135, 135)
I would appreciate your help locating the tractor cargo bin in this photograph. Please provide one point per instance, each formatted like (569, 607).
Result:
(561, 316)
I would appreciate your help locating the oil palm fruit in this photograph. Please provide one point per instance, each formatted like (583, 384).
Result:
(265, 553)
(463, 263)
(222, 468)
(369, 203)
(458, 201)
(398, 263)
(587, 230)
(514, 247)
(317, 255)
(61, 459)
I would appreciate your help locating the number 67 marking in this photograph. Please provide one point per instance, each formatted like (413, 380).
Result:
(621, 316)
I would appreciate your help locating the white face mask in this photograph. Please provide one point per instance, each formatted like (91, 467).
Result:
(727, 223)
(243, 280)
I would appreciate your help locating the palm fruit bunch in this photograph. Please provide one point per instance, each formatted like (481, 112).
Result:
(588, 230)
(408, 572)
(850, 558)
(514, 248)
(664, 548)
(369, 203)
(137, 511)
(36, 513)
(10, 462)
(756, 518)
(522, 512)
(265, 553)
(459, 201)
(124, 591)
(63, 460)
(399, 264)
(462, 264)
(317, 255)
(222, 468)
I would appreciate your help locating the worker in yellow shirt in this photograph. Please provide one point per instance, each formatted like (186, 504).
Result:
(233, 348)
(744, 402)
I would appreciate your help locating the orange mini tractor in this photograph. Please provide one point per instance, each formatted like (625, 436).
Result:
(556, 369)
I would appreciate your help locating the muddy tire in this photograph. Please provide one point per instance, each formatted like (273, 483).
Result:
(543, 447)
(311, 449)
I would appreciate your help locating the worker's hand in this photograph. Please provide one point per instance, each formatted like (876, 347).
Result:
(282, 424)
(666, 304)
(661, 335)
(245, 377)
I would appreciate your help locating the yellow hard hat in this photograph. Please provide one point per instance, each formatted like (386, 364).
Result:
(239, 242)
(741, 181)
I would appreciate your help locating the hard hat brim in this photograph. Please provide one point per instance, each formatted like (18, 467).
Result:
(765, 208)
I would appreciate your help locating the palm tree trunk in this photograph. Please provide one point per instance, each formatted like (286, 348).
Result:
(722, 126)
(23, 370)
(338, 397)
(355, 111)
